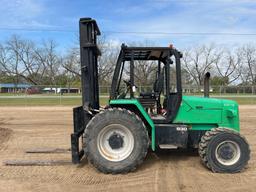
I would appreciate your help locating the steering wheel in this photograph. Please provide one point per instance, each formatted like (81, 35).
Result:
(129, 84)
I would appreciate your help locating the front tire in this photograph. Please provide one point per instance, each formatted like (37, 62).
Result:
(224, 150)
(116, 141)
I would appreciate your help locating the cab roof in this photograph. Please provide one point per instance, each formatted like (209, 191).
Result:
(146, 53)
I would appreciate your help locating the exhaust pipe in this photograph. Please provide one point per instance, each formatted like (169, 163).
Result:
(206, 84)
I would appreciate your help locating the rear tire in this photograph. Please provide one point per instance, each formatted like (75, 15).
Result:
(116, 141)
(224, 150)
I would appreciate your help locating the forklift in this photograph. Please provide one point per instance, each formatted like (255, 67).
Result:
(116, 139)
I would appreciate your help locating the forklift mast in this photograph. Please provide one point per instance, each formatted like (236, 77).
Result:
(89, 53)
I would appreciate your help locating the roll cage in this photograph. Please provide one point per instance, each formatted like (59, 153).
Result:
(160, 54)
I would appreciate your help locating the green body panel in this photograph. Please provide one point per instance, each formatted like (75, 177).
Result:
(198, 113)
(135, 102)
(203, 113)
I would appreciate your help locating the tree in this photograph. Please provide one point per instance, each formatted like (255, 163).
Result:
(71, 61)
(5, 78)
(4, 60)
(106, 61)
(19, 58)
(219, 80)
(144, 71)
(10, 60)
(227, 68)
(71, 64)
(200, 60)
(248, 59)
(50, 60)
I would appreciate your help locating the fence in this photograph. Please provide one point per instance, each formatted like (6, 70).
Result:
(195, 90)
(60, 95)
(104, 90)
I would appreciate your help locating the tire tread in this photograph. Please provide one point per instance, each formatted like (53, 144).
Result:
(136, 119)
(206, 138)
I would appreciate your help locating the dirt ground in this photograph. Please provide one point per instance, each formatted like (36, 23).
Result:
(26, 128)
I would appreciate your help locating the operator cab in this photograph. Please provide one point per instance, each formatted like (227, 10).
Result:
(163, 97)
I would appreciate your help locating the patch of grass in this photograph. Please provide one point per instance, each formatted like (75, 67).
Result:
(76, 101)
(45, 101)
(39, 101)
(242, 100)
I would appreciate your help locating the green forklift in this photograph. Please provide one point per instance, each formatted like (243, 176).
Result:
(116, 138)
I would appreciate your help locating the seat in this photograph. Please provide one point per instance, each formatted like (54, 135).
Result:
(151, 99)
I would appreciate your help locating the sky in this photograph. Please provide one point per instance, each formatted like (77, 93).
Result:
(158, 22)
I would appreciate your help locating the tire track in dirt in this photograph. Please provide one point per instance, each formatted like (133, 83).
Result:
(83, 176)
(5, 120)
(5, 134)
(161, 181)
(47, 127)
